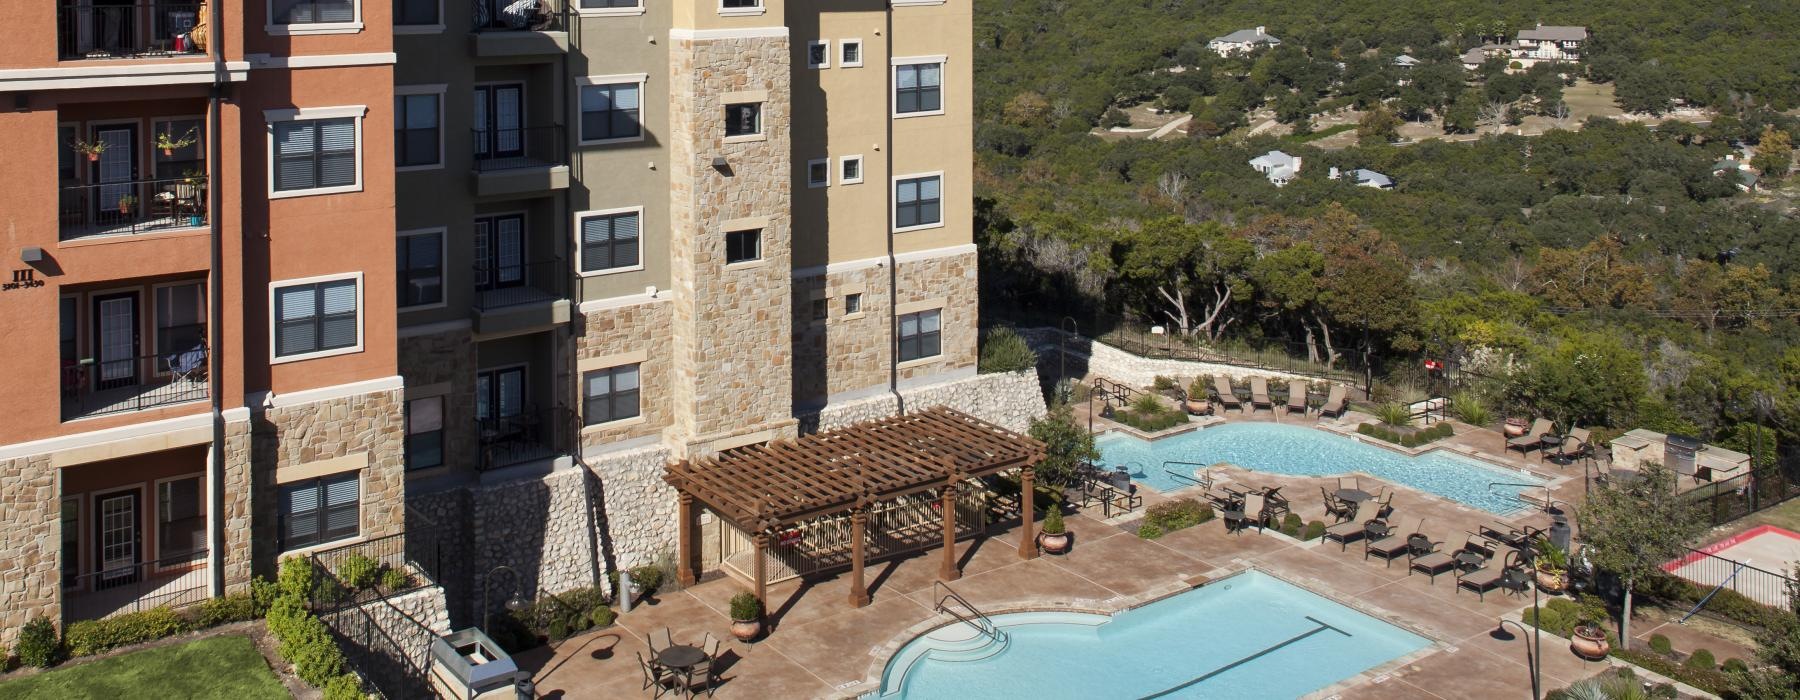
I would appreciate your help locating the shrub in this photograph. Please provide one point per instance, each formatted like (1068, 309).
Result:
(358, 571)
(1162, 383)
(1004, 350)
(1053, 520)
(262, 594)
(1291, 524)
(1314, 530)
(1392, 413)
(1146, 405)
(1467, 406)
(1200, 388)
(648, 577)
(1549, 620)
(38, 645)
(236, 607)
(1736, 665)
(395, 579)
(745, 606)
(603, 616)
(314, 653)
(1708, 679)
(344, 687)
(1660, 644)
(1701, 659)
(1177, 514)
(296, 578)
(1150, 531)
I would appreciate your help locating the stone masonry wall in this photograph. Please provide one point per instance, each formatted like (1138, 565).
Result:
(239, 509)
(626, 329)
(1115, 364)
(293, 436)
(447, 357)
(1010, 400)
(951, 278)
(639, 506)
(390, 639)
(542, 528)
(30, 537)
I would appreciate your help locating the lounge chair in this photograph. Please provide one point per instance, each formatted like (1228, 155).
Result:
(1296, 402)
(1384, 507)
(1259, 394)
(1349, 530)
(1578, 444)
(1423, 555)
(1275, 505)
(1533, 438)
(658, 676)
(1488, 578)
(1397, 543)
(1335, 403)
(1256, 510)
(1227, 397)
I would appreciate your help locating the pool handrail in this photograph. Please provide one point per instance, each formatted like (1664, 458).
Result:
(974, 618)
(1521, 496)
(1194, 480)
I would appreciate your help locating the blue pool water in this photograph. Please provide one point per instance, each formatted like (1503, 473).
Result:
(1303, 451)
(1246, 636)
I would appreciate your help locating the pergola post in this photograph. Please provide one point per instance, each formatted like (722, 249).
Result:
(948, 571)
(1027, 516)
(688, 531)
(762, 570)
(859, 591)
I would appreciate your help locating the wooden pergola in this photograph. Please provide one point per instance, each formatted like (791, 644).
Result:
(763, 488)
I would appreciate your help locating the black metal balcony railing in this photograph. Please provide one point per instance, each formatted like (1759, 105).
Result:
(522, 147)
(136, 206)
(493, 16)
(96, 387)
(174, 581)
(529, 435)
(498, 286)
(146, 28)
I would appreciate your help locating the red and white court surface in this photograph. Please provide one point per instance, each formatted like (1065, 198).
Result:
(1767, 548)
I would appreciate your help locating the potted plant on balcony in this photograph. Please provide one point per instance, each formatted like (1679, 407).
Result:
(167, 141)
(746, 616)
(1552, 564)
(126, 204)
(1054, 539)
(92, 149)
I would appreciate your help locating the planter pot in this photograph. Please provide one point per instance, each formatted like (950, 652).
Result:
(168, 152)
(746, 630)
(93, 157)
(1514, 427)
(196, 221)
(1589, 643)
(1054, 544)
(1552, 581)
(125, 209)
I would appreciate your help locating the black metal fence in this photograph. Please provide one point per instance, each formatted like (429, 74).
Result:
(528, 435)
(394, 658)
(125, 30)
(509, 16)
(1710, 570)
(1759, 489)
(501, 285)
(352, 575)
(94, 387)
(133, 206)
(172, 581)
(511, 148)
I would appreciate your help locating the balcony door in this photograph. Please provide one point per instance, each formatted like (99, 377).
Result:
(115, 170)
(116, 339)
(499, 252)
(499, 121)
(116, 527)
(500, 393)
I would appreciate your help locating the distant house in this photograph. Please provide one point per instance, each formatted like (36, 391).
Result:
(1405, 61)
(1242, 41)
(1279, 167)
(1545, 43)
(1473, 58)
(1741, 175)
(1365, 177)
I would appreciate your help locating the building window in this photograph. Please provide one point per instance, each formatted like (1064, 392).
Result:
(607, 4)
(180, 319)
(852, 304)
(821, 309)
(312, 11)
(317, 317)
(918, 88)
(919, 335)
(317, 511)
(420, 270)
(180, 162)
(610, 112)
(417, 136)
(67, 332)
(416, 12)
(315, 154)
(609, 241)
(743, 119)
(425, 433)
(850, 53)
(180, 521)
(743, 246)
(850, 170)
(739, 4)
(818, 172)
(818, 54)
(71, 542)
(65, 152)
(917, 202)
(610, 394)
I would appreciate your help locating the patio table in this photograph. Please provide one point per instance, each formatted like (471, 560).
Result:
(1353, 495)
(682, 656)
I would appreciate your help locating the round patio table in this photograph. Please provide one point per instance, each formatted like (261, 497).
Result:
(1471, 560)
(682, 656)
(1353, 495)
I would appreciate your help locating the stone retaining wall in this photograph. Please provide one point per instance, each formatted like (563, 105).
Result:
(389, 641)
(1104, 360)
(1010, 400)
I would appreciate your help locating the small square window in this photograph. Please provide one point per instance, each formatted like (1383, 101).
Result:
(818, 54)
(821, 308)
(852, 304)
(818, 172)
(743, 246)
(850, 170)
(851, 50)
(739, 4)
(743, 119)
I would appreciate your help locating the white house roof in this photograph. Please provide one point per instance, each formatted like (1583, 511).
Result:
(1549, 33)
(1247, 36)
(1271, 160)
(1481, 53)
(1364, 176)
(1405, 60)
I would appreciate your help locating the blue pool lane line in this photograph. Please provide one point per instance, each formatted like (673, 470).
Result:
(1322, 626)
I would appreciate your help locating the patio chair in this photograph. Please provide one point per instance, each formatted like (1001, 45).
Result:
(1275, 505)
(1384, 505)
(1397, 543)
(1578, 444)
(1296, 402)
(1423, 555)
(1259, 394)
(1488, 578)
(1349, 530)
(1335, 507)
(188, 366)
(1256, 510)
(660, 640)
(1227, 396)
(708, 671)
(658, 677)
(1336, 403)
(1348, 482)
(1533, 438)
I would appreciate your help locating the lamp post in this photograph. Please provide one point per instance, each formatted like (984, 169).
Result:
(514, 603)
(1069, 328)
(1531, 654)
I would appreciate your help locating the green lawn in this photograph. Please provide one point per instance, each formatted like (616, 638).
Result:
(216, 667)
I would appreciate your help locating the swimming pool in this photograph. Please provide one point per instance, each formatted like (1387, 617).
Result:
(1302, 451)
(1246, 636)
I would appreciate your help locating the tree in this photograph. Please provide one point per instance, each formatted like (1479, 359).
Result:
(1646, 87)
(1066, 445)
(1774, 154)
(1115, 117)
(1585, 379)
(1493, 115)
(1632, 527)
(1026, 109)
(1378, 126)
(1191, 274)
(1462, 117)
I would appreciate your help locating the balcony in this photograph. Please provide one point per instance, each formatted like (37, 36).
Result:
(528, 436)
(519, 298)
(142, 29)
(102, 387)
(519, 161)
(132, 207)
(500, 33)
(174, 582)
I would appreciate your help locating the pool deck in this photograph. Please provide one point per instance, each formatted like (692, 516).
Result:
(820, 647)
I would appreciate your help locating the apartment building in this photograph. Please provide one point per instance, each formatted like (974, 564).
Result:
(200, 313)
(630, 232)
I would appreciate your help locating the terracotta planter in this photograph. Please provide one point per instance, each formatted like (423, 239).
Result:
(1054, 544)
(168, 151)
(1589, 643)
(1514, 427)
(1552, 581)
(93, 157)
(746, 630)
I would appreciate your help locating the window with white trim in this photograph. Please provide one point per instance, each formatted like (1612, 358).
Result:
(424, 433)
(610, 241)
(317, 317)
(180, 319)
(818, 53)
(850, 54)
(315, 154)
(611, 112)
(418, 132)
(739, 4)
(920, 335)
(180, 521)
(312, 11)
(850, 170)
(743, 246)
(610, 394)
(322, 510)
(918, 202)
(420, 269)
(743, 119)
(608, 4)
(818, 172)
(919, 88)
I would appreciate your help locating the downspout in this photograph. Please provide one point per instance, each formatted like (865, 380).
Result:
(892, 264)
(215, 460)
